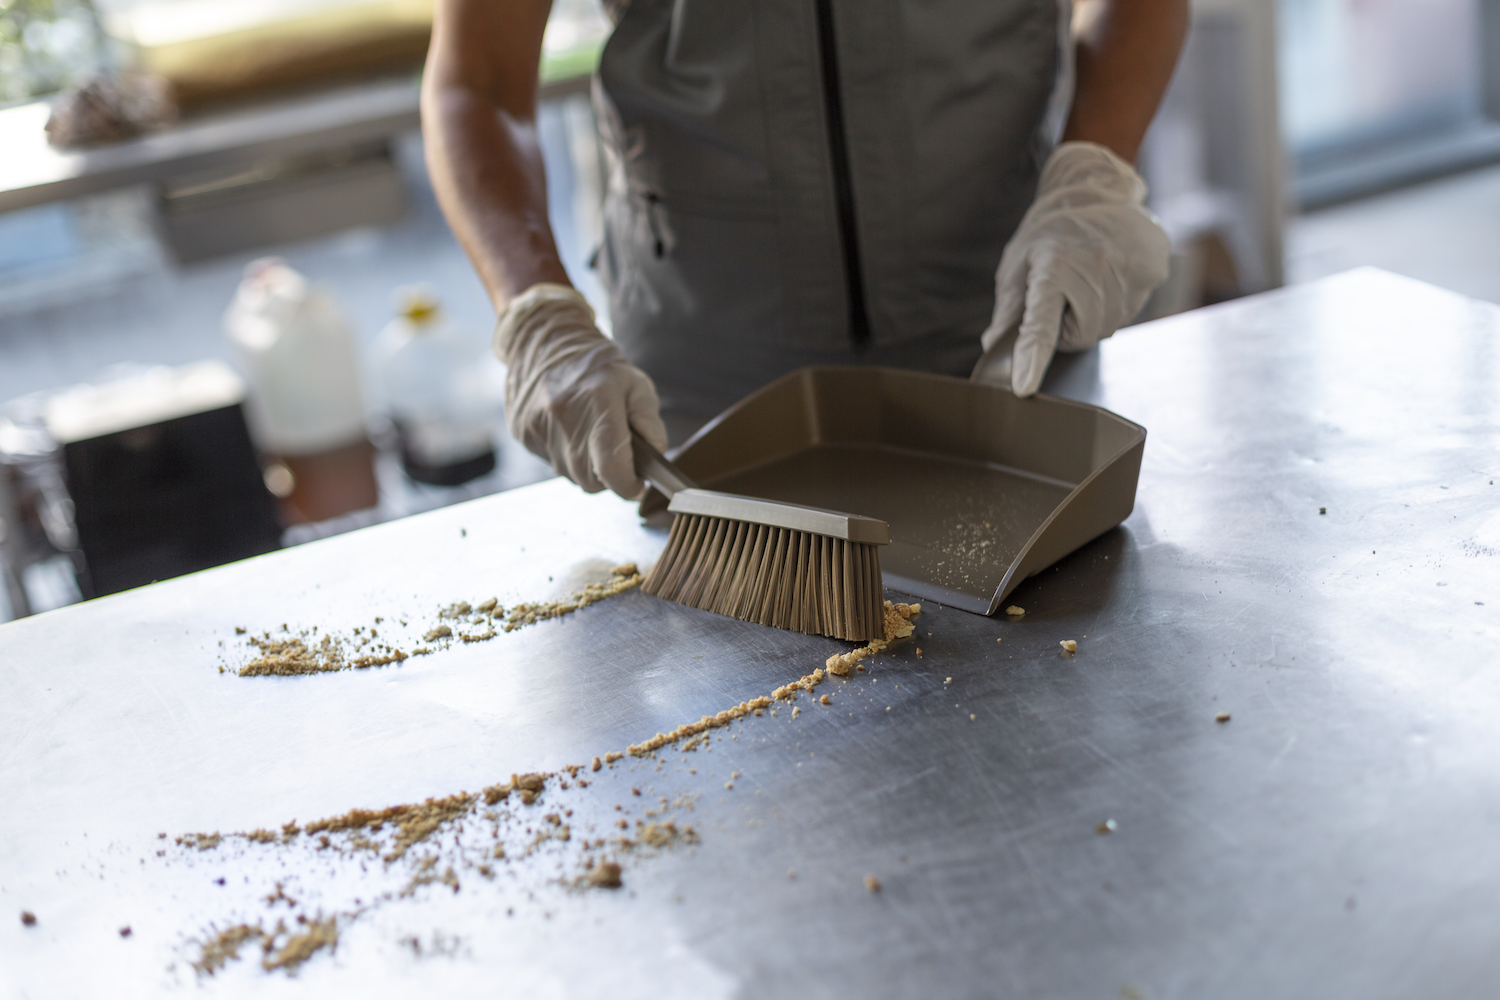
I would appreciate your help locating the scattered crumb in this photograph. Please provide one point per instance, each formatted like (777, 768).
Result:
(796, 712)
(947, 680)
(224, 947)
(791, 873)
(1070, 645)
(824, 700)
(202, 841)
(973, 717)
(1108, 826)
(1015, 610)
(28, 919)
(997, 639)
(299, 948)
(624, 569)
(1322, 510)
(125, 931)
(604, 875)
(872, 883)
(596, 765)
(301, 654)
(1222, 717)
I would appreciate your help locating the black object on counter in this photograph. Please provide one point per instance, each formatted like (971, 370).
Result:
(166, 499)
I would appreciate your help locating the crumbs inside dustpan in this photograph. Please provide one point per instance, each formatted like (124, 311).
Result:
(954, 522)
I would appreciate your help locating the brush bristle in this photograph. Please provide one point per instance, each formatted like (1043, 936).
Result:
(773, 576)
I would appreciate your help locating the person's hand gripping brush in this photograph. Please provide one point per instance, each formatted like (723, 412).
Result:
(571, 396)
(1080, 265)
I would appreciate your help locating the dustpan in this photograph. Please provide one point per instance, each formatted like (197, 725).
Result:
(980, 489)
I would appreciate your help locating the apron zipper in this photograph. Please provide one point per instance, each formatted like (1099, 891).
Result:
(843, 188)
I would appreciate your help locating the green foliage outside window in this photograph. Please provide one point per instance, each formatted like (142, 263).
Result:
(44, 44)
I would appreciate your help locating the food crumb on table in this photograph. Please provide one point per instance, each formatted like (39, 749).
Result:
(1222, 717)
(1070, 645)
(872, 883)
(1015, 611)
(28, 918)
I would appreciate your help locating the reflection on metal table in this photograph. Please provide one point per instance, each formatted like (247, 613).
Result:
(1335, 837)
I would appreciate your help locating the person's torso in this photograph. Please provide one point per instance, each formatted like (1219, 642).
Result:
(815, 179)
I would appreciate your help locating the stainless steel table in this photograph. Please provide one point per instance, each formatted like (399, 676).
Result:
(1337, 837)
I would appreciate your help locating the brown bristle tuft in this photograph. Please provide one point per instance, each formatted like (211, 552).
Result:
(772, 576)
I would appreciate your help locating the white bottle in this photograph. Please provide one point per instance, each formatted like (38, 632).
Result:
(436, 391)
(302, 402)
(298, 358)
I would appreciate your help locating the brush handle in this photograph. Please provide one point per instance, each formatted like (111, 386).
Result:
(652, 466)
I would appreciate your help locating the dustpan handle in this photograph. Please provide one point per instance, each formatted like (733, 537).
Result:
(653, 466)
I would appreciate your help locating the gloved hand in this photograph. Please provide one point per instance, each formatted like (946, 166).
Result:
(570, 394)
(1082, 262)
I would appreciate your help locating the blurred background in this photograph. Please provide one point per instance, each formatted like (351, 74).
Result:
(232, 317)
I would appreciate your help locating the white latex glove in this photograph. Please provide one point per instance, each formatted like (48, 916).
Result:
(570, 394)
(1082, 262)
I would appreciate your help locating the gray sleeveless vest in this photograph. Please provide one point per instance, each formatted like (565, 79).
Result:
(797, 182)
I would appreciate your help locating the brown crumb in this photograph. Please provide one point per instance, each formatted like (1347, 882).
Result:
(824, 700)
(28, 919)
(624, 569)
(125, 931)
(1222, 717)
(437, 632)
(872, 883)
(604, 875)
(320, 933)
(224, 947)
(596, 764)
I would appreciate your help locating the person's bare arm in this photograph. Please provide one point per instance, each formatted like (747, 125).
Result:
(479, 127)
(1126, 52)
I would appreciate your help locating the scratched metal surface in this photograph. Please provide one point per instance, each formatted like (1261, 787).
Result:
(1336, 838)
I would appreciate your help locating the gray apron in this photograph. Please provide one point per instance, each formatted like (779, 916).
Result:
(797, 182)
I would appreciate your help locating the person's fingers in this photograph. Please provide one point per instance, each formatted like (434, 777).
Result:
(610, 448)
(644, 408)
(572, 457)
(1010, 300)
(1040, 327)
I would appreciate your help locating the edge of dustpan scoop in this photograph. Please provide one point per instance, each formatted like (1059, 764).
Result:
(1088, 457)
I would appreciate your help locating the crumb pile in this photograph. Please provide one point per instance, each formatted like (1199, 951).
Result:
(306, 652)
(897, 626)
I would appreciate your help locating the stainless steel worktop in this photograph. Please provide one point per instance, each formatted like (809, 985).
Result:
(1337, 837)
